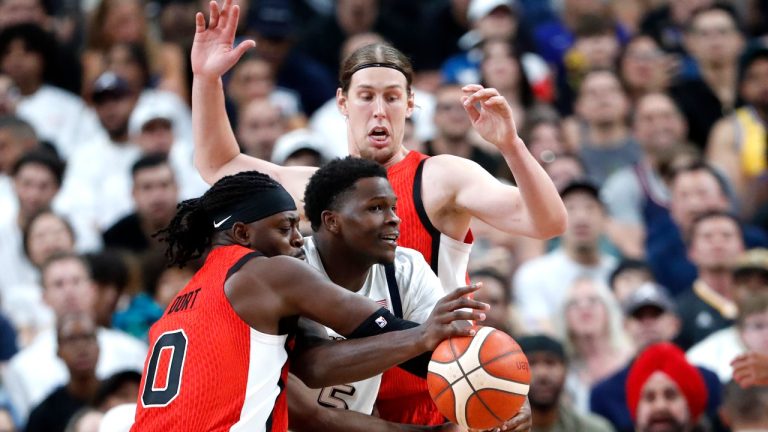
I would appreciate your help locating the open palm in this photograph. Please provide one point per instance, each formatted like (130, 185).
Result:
(212, 51)
(490, 113)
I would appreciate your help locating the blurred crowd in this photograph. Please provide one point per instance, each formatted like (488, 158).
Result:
(649, 116)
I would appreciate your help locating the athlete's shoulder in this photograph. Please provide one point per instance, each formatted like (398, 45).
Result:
(412, 270)
(408, 260)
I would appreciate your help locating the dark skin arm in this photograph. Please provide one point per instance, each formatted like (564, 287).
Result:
(266, 290)
(305, 415)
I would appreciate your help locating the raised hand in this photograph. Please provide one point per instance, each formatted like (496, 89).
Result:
(448, 320)
(212, 51)
(490, 113)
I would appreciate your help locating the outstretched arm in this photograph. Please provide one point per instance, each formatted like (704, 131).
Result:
(306, 415)
(216, 151)
(534, 207)
(266, 290)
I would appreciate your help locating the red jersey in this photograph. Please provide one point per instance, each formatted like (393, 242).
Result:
(403, 397)
(207, 370)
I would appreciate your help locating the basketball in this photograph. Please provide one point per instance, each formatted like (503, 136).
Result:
(479, 382)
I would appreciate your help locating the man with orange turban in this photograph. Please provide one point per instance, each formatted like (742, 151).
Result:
(665, 393)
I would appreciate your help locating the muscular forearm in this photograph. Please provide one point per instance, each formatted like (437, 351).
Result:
(541, 198)
(340, 362)
(306, 415)
(215, 143)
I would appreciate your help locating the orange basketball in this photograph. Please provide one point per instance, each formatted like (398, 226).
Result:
(479, 382)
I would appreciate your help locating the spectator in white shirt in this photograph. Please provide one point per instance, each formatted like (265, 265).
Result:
(35, 371)
(540, 284)
(27, 56)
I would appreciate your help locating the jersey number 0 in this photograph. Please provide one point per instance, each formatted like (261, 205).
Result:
(163, 376)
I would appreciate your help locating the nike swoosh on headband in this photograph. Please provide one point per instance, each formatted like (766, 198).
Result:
(219, 223)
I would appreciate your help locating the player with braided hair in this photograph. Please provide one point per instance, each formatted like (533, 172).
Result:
(218, 356)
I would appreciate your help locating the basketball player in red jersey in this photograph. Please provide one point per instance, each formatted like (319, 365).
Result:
(438, 196)
(219, 355)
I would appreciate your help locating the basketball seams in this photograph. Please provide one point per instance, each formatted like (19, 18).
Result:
(473, 350)
(482, 366)
(466, 376)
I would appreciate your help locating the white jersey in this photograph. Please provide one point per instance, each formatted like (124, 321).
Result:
(419, 290)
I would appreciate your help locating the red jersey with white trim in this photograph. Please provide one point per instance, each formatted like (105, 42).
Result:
(403, 397)
(207, 370)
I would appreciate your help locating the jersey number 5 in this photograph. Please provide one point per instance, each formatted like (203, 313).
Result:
(330, 396)
(162, 380)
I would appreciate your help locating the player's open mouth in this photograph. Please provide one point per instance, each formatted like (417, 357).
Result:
(379, 136)
(391, 238)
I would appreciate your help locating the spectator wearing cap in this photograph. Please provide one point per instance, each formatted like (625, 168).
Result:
(650, 317)
(750, 275)
(300, 147)
(737, 145)
(497, 20)
(58, 116)
(550, 411)
(154, 129)
(628, 276)
(664, 392)
(714, 39)
(540, 283)
(748, 335)
(745, 409)
(85, 190)
(636, 196)
(130, 61)
(271, 23)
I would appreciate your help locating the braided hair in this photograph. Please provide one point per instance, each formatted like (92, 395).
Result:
(190, 232)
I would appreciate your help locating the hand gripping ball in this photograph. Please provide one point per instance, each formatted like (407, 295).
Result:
(479, 382)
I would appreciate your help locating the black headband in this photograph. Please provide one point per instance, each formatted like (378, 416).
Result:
(260, 205)
(384, 65)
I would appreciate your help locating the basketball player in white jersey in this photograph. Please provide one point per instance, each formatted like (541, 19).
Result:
(351, 207)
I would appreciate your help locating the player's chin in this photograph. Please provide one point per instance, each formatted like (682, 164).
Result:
(387, 257)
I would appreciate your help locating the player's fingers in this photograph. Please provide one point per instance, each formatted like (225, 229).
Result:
(495, 100)
(465, 303)
(461, 331)
(481, 95)
(199, 22)
(471, 109)
(463, 291)
(464, 315)
(213, 21)
(471, 88)
(234, 16)
(243, 47)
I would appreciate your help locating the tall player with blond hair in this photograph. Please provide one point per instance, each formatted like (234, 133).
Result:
(437, 196)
